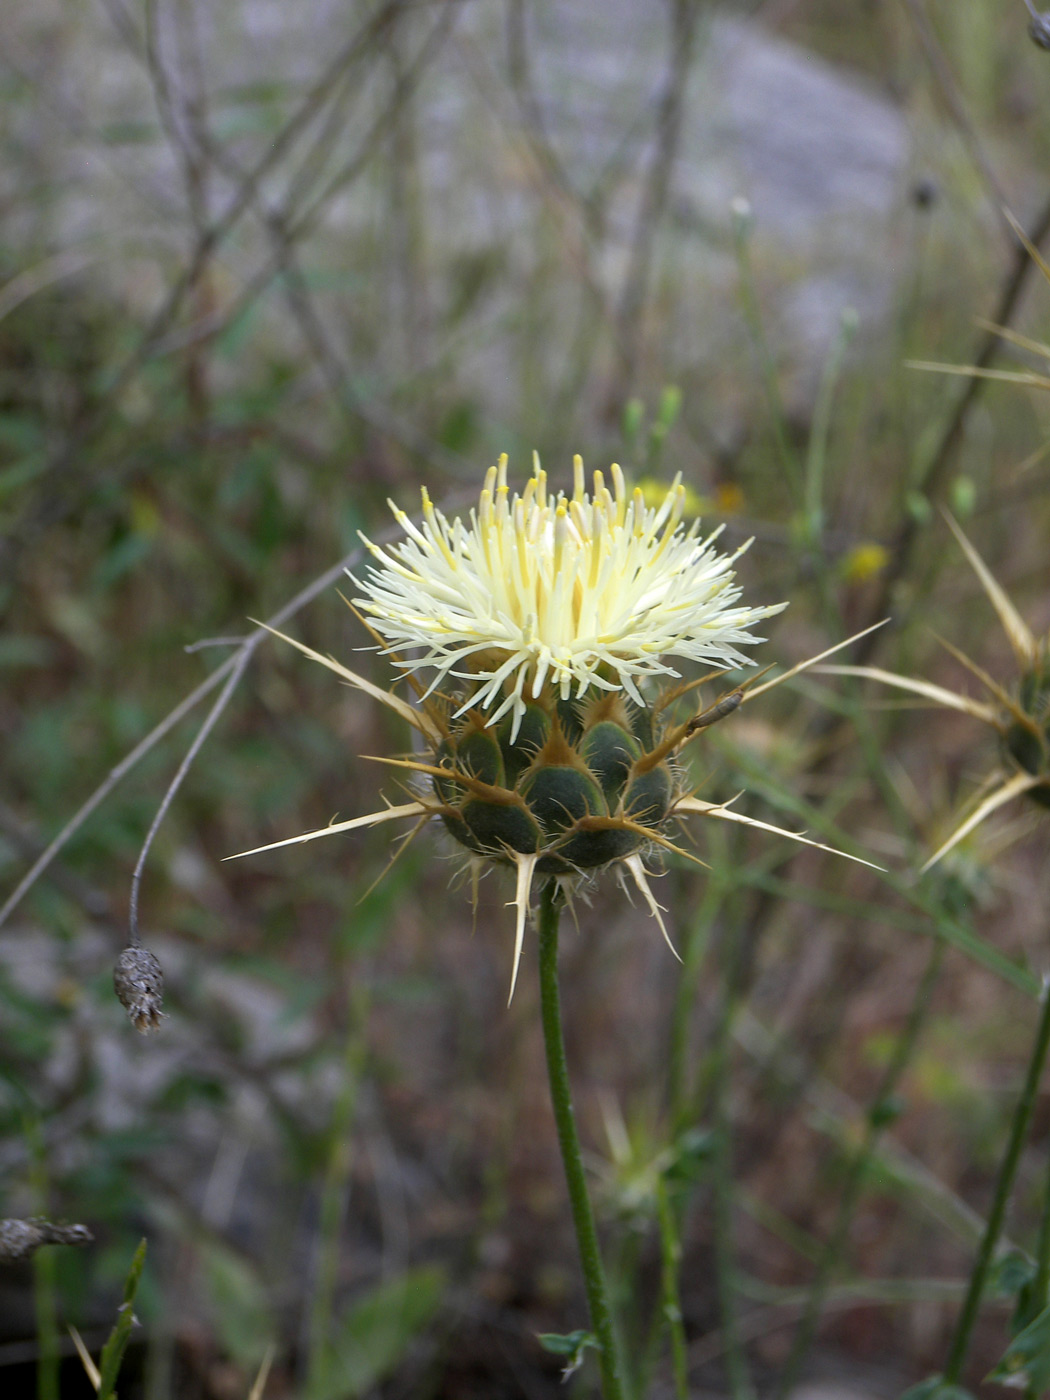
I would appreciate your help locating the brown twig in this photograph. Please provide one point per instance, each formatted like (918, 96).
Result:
(685, 14)
(58, 504)
(932, 479)
(949, 89)
(234, 663)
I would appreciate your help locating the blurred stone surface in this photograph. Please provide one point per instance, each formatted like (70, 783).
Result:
(820, 155)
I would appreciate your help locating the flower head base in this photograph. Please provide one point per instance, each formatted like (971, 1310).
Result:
(1026, 739)
(578, 593)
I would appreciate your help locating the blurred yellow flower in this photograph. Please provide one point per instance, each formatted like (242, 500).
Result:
(863, 562)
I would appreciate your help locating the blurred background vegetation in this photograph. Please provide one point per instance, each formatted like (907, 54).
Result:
(263, 267)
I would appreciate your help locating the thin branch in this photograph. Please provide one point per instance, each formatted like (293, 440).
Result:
(233, 663)
(949, 90)
(685, 14)
(58, 505)
(944, 454)
(240, 665)
(93, 901)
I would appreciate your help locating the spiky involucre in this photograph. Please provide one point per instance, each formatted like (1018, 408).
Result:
(539, 619)
(573, 592)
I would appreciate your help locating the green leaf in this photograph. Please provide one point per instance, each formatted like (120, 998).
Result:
(1009, 1274)
(670, 406)
(887, 1111)
(1026, 1360)
(692, 1151)
(26, 650)
(240, 1305)
(936, 1388)
(373, 1335)
(116, 1345)
(565, 1343)
(572, 1345)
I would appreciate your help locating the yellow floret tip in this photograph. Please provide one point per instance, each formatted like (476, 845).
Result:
(595, 590)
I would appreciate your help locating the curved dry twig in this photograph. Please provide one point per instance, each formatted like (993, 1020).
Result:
(57, 505)
(234, 665)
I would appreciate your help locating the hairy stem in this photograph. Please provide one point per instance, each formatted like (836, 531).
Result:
(614, 1384)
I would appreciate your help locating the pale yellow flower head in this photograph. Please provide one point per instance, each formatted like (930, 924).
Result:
(589, 590)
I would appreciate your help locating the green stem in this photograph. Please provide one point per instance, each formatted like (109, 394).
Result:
(740, 1385)
(45, 1278)
(1040, 1292)
(816, 456)
(44, 1288)
(602, 1322)
(670, 1259)
(1004, 1181)
(735, 954)
(680, 1089)
(851, 1189)
(753, 319)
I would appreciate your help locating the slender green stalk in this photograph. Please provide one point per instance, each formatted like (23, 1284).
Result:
(735, 957)
(740, 1384)
(816, 455)
(1007, 1170)
(851, 1190)
(697, 938)
(1039, 1292)
(47, 1340)
(614, 1384)
(670, 1259)
(45, 1280)
(753, 318)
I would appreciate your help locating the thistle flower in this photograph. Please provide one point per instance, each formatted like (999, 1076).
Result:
(584, 593)
(542, 621)
(1019, 714)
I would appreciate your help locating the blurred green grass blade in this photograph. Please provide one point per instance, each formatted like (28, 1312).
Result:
(240, 1304)
(958, 935)
(950, 930)
(1026, 1361)
(374, 1333)
(116, 1345)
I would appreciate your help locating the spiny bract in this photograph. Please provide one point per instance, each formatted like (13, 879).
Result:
(581, 785)
(1018, 711)
(541, 620)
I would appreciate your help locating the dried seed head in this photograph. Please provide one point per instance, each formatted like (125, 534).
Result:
(19, 1239)
(138, 981)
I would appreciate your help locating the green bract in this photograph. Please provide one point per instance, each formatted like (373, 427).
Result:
(582, 784)
(1027, 740)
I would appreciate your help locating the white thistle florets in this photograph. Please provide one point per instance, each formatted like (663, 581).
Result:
(578, 592)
